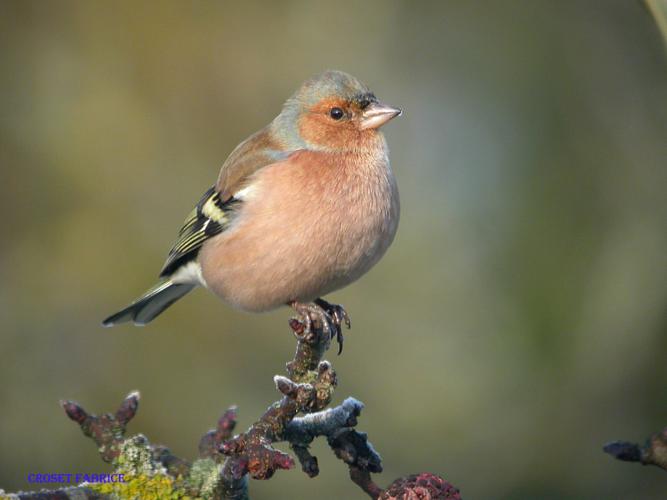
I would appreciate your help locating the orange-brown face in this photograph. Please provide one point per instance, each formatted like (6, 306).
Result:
(336, 124)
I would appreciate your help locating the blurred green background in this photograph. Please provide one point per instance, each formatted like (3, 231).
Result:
(517, 323)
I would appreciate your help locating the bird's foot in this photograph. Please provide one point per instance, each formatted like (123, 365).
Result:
(339, 317)
(336, 311)
(310, 317)
(329, 317)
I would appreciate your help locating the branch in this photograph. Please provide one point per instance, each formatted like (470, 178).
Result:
(225, 462)
(108, 432)
(654, 451)
(350, 446)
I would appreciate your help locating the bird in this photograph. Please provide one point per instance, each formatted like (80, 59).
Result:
(301, 208)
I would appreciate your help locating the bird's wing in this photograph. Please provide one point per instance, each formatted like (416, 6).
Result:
(256, 152)
(210, 217)
(216, 208)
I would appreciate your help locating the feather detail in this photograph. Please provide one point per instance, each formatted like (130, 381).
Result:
(210, 217)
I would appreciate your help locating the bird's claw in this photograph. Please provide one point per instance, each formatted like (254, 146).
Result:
(338, 316)
(307, 315)
(331, 317)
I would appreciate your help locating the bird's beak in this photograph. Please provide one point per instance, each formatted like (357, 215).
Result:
(377, 114)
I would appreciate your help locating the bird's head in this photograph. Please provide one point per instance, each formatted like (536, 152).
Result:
(334, 112)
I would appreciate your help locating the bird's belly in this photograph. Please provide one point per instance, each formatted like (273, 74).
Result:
(258, 269)
(284, 248)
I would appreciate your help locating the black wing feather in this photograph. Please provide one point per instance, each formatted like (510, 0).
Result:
(211, 216)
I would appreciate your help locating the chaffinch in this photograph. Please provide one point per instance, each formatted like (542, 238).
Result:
(301, 208)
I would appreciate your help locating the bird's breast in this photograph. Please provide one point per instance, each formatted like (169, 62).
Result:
(308, 225)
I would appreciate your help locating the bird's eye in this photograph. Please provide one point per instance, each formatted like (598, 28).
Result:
(336, 113)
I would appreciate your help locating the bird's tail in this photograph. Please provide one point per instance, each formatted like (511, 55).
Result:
(150, 304)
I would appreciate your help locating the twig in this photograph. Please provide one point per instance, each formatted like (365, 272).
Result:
(654, 451)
